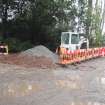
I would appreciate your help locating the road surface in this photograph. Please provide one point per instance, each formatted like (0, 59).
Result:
(83, 84)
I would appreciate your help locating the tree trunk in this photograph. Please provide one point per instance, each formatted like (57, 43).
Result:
(4, 20)
(89, 16)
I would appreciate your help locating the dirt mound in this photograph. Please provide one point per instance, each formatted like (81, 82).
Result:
(40, 51)
(38, 57)
(26, 61)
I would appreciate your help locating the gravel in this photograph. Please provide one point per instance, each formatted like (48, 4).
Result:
(41, 51)
(37, 57)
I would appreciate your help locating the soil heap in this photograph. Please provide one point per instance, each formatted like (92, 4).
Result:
(38, 57)
(40, 51)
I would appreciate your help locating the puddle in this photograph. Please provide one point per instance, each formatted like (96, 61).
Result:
(68, 80)
(20, 89)
(85, 103)
(101, 82)
(64, 73)
(73, 78)
(67, 84)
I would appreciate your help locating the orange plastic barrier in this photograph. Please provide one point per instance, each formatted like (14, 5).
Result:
(69, 57)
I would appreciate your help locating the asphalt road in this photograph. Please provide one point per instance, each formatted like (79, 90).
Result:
(82, 84)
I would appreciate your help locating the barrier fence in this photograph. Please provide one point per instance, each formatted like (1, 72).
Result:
(3, 49)
(69, 57)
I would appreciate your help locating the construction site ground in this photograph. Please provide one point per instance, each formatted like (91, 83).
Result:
(81, 84)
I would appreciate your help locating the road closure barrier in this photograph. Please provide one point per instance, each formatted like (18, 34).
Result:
(3, 49)
(69, 57)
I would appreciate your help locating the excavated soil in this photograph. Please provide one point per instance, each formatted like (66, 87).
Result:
(40, 51)
(39, 57)
(26, 61)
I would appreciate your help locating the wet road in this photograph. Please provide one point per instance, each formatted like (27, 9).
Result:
(83, 84)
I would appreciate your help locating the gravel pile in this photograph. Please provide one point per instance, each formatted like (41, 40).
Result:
(41, 51)
(38, 57)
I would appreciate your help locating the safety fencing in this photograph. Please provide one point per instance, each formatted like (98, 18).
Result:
(3, 49)
(69, 57)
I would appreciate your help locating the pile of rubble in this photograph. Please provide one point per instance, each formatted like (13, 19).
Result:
(40, 51)
(39, 57)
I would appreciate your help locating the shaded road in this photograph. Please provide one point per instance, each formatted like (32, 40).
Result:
(83, 84)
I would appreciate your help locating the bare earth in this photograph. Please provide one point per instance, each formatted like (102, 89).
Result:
(83, 84)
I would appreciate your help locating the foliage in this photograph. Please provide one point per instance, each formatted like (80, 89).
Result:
(16, 45)
(42, 21)
(97, 23)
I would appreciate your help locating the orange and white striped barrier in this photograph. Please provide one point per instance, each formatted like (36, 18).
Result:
(69, 57)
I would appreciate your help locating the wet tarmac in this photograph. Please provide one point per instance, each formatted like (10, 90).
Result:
(83, 84)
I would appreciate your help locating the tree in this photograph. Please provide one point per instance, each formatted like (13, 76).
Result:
(4, 13)
(88, 18)
(7, 7)
(45, 17)
(81, 14)
(98, 18)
